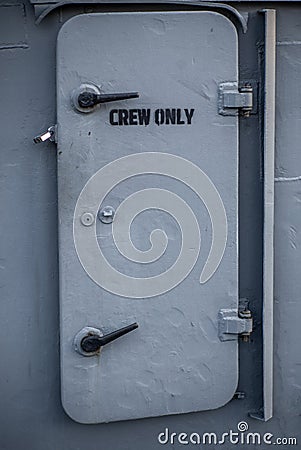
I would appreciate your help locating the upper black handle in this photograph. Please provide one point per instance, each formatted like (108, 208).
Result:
(93, 343)
(87, 99)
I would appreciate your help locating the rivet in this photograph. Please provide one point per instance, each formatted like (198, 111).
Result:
(87, 219)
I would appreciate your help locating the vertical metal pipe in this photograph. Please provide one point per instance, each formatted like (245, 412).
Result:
(268, 227)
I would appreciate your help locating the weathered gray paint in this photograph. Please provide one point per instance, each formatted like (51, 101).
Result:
(176, 299)
(31, 413)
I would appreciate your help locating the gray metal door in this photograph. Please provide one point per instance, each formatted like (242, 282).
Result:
(147, 212)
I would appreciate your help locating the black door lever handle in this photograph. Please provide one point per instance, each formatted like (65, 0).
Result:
(88, 99)
(92, 343)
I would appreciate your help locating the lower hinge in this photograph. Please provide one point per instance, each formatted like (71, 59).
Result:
(235, 322)
(234, 99)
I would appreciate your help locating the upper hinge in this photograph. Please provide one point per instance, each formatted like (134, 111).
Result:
(233, 322)
(234, 100)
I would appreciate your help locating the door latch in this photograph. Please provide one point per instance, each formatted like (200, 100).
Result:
(89, 341)
(87, 96)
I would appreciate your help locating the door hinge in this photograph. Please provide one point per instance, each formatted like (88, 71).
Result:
(235, 322)
(234, 100)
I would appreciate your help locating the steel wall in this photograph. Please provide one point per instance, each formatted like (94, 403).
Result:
(31, 413)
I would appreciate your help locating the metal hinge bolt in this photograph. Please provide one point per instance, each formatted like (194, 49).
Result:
(245, 313)
(247, 108)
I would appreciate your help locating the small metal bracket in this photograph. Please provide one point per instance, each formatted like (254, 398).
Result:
(239, 395)
(49, 135)
(234, 100)
(233, 322)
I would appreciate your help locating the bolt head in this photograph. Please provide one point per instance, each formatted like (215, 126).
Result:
(106, 215)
